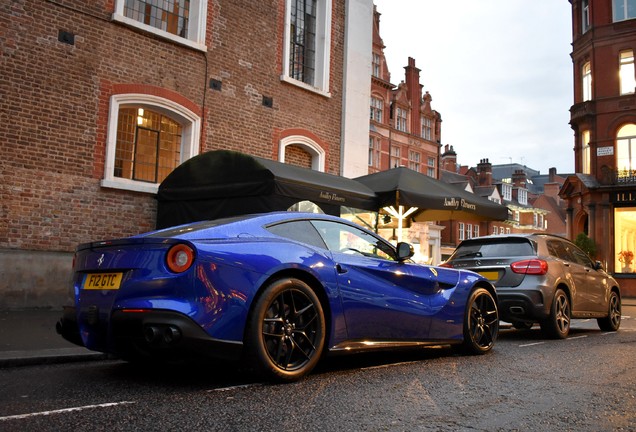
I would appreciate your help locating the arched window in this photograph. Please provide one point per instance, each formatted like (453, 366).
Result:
(587, 81)
(626, 152)
(310, 146)
(148, 136)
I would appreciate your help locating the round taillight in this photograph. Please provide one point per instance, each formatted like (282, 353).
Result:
(180, 257)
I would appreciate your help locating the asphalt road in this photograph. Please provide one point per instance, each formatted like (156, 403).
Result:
(528, 383)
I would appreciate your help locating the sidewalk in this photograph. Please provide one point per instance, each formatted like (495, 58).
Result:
(29, 337)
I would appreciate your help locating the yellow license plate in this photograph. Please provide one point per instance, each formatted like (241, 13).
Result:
(102, 281)
(490, 275)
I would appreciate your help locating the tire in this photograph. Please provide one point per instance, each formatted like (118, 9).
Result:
(481, 322)
(613, 319)
(557, 325)
(285, 331)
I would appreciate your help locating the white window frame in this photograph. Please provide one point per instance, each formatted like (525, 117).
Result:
(198, 14)
(461, 231)
(506, 190)
(626, 73)
(317, 153)
(377, 108)
(523, 196)
(620, 10)
(585, 16)
(587, 81)
(586, 167)
(323, 49)
(190, 122)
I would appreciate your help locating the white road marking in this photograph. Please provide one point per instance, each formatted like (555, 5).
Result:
(223, 389)
(532, 344)
(64, 410)
(576, 337)
(388, 365)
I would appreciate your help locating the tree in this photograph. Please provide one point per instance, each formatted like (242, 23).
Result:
(586, 244)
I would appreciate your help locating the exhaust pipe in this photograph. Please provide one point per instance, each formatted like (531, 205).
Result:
(151, 334)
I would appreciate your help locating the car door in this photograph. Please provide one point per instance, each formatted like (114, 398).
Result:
(382, 298)
(582, 275)
(593, 292)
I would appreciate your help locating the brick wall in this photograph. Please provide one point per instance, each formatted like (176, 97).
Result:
(55, 104)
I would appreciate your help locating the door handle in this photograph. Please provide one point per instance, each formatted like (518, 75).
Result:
(340, 269)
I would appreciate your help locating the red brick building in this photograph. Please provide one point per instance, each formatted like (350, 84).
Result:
(102, 99)
(601, 197)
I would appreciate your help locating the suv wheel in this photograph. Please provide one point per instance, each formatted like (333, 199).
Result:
(557, 325)
(613, 319)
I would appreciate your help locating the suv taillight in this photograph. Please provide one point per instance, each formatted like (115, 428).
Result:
(532, 266)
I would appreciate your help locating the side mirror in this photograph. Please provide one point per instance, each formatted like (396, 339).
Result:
(598, 266)
(404, 251)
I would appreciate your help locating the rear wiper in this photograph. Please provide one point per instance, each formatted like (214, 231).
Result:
(470, 254)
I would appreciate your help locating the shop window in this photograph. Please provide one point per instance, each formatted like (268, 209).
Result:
(182, 21)
(148, 137)
(624, 239)
(308, 44)
(626, 154)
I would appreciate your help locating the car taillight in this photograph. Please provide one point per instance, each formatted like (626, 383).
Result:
(445, 264)
(180, 257)
(532, 266)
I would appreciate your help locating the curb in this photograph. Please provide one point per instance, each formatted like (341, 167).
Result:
(48, 356)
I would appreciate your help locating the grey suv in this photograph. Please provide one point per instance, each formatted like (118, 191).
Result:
(542, 278)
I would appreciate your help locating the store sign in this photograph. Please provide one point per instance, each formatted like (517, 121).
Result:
(628, 197)
(605, 151)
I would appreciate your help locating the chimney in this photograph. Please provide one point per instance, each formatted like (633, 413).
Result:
(449, 159)
(484, 172)
(552, 174)
(519, 178)
(414, 92)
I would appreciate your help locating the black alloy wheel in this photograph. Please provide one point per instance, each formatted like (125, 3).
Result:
(613, 319)
(286, 332)
(557, 325)
(481, 324)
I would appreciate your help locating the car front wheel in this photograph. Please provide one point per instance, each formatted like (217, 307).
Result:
(481, 323)
(613, 319)
(286, 331)
(557, 325)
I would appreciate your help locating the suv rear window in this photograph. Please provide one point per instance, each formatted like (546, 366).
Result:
(492, 249)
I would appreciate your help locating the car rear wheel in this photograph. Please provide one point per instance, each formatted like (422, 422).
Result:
(481, 323)
(613, 319)
(557, 325)
(286, 331)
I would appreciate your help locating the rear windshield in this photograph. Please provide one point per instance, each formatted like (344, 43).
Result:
(182, 229)
(496, 248)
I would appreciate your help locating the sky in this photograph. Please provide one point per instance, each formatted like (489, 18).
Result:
(499, 73)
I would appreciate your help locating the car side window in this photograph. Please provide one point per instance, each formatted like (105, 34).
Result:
(302, 231)
(559, 249)
(581, 257)
(346, 239)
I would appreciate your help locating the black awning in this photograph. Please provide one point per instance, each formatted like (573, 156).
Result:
(226, 183)
(435, 200)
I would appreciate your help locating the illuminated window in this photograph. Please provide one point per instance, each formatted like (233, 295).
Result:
(624, 238)
(585, 152)
(183, 21)
(624, 9)
(585, 16)
(308, 44)
(587, 82)
(377, 105)
(627, 78)
(148, 137)
(626, 153)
